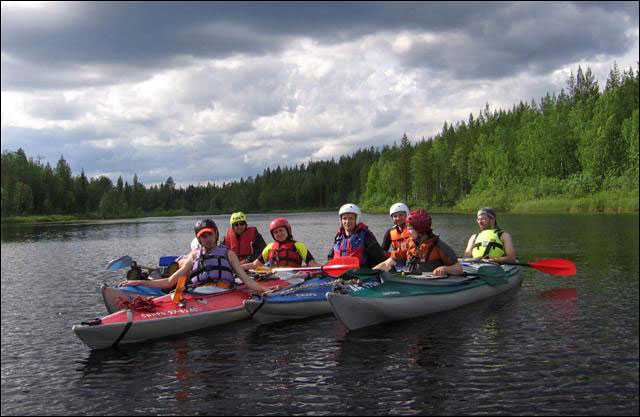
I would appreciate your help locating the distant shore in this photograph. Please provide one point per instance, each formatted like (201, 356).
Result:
(602, 202)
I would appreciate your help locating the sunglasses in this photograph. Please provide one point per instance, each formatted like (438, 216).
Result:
(240, 224)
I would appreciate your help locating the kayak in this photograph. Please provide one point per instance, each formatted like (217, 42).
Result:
(117, 298)
(307, 299)
(151, 318)
(403, 297)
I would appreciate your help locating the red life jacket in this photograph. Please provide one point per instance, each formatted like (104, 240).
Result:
(399, 240)
(353, 245)
(242, 247)
(285, 254)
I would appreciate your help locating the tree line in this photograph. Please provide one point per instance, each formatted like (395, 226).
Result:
(577, 143)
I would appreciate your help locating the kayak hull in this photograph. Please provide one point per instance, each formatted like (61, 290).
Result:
(307, 299)
(197, 310)
(356, 312)
(266, 312)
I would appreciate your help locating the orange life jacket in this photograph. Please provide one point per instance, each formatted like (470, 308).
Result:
(285, 254)
(399, 240)
(243, 246)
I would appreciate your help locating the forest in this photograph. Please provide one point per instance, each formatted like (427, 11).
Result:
(575, 151)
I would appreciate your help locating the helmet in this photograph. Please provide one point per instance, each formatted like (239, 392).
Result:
(206, 225)
(350, 208)
(280, 222)
(237, 217)
(420, 220)
(398, 207)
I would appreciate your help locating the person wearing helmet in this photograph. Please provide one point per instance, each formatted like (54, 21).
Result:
(284, 251)
(491, 242)
(425, 252)
(209, 264)
(398, 236)
(355, 239)
(245, 241)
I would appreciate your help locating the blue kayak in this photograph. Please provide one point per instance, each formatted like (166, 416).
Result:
(307, 299)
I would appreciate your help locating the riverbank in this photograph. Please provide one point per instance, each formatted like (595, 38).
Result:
(601, 202)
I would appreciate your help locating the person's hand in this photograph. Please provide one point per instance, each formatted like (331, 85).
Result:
(303, 274)
(132, 283)
(440, 271)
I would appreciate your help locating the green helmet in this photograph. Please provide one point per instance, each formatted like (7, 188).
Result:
(237, 217)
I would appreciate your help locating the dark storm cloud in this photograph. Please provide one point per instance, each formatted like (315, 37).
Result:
(121, 41)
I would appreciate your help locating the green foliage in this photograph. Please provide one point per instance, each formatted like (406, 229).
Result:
(575, 152)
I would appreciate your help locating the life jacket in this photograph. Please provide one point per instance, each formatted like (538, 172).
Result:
(212, 267)
(243, 247)
(422, 257)
(488, 243)
(285, 254)
(353, 245)
(399, 239)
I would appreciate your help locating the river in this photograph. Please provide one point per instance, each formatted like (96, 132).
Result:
(555, 346)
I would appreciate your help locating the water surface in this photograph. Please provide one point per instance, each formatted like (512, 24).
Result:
(554, 346)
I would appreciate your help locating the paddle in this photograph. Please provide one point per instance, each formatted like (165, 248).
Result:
(167, 260)
(336, 267)
(122, 262)
(177, 294)
(557, 267)
(491, 274)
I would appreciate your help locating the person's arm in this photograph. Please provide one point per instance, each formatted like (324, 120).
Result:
(386, 265)
(235, 263)
(509, 250)
(386, 241)
(374, 252)
(252, 265)
(449, 258)
(164, 283)
(258, 246)
(467, 251)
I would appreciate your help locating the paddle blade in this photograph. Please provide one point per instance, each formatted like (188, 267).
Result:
(122, 262)
(557, 267)
(337, 266)
(167, 260)
(177, 294)
(492, 274)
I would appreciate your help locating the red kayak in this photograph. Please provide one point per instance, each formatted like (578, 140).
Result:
(151, 318)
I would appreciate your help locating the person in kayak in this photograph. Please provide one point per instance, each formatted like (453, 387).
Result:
(355, 239)
(425, 252)
(284, 251)
(243, 240)
(210, 264)
(490, 243)
(397, 236)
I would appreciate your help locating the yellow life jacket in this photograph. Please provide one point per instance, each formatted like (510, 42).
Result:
(488, 243)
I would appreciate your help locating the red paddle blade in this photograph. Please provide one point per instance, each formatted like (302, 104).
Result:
(558, 267)
(341, 264)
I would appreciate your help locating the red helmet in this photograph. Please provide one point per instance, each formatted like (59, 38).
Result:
(420, 220)
(280, 222)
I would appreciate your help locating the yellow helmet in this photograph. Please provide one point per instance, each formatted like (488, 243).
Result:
(237, 217)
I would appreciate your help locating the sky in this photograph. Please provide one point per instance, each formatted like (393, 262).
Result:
(215, 91)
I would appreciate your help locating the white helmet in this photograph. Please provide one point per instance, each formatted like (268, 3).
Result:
(350, 208)
(399, 207)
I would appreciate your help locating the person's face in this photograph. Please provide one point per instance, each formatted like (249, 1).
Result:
(485, 222)
(280, 234)
(348, 221)
(208, 240)
(399, 218)
(412, 232)
(239, 227)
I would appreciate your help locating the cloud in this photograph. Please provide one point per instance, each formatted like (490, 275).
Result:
(214, 91)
